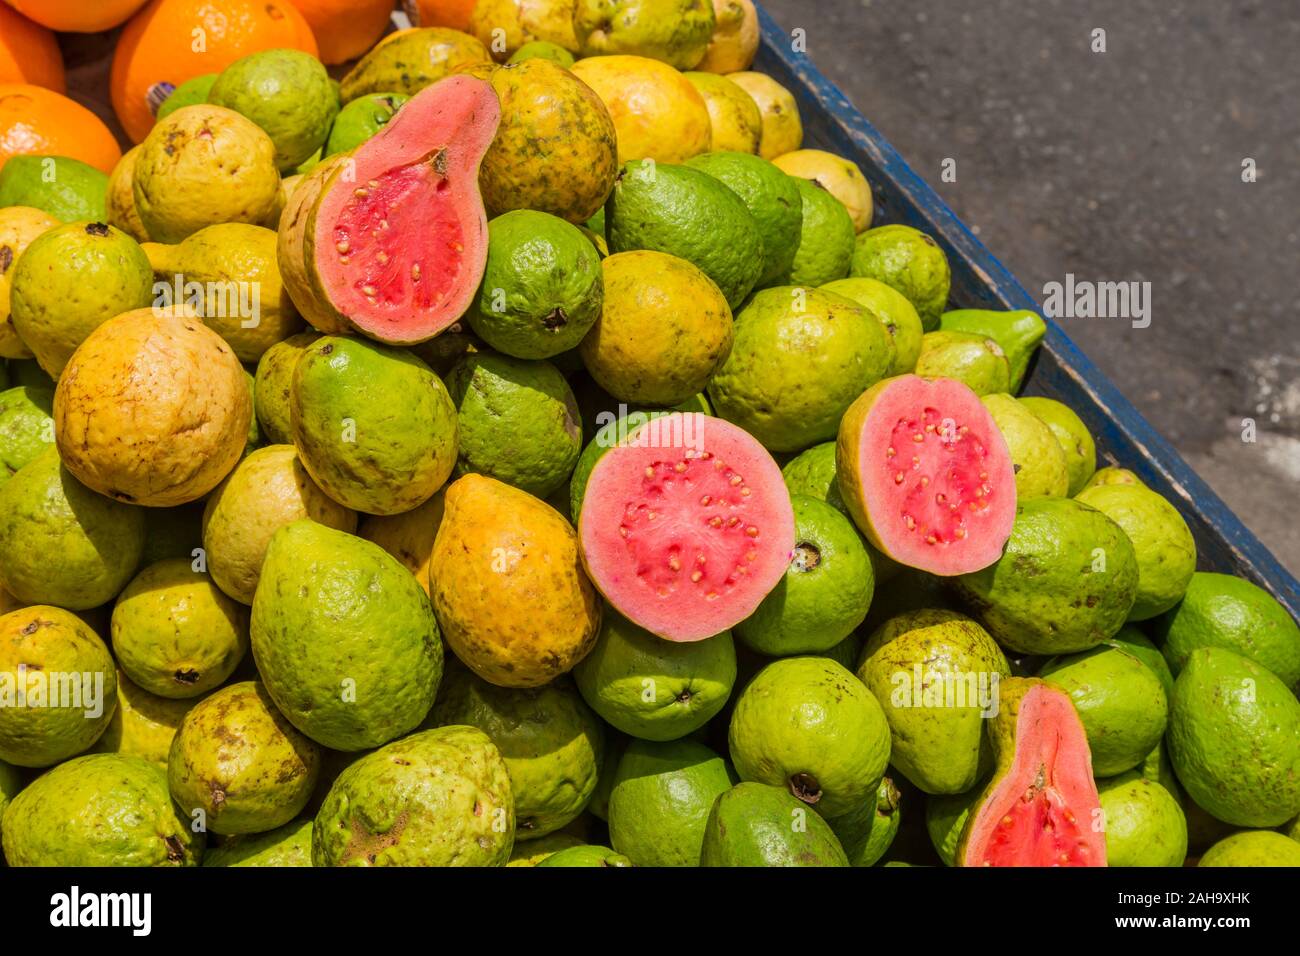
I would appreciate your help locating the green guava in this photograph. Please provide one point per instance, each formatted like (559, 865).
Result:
(1112, 476)
(62, 544)
(651, 688)
(826, 590)
(143, 724)
(361, 119)
(756, 825)
(550, 740)
(1065, 582)
(661, 799)
(808, 725)
(825, 245)
(1253, 848)
(100, 810)
(285, 92)
(800, 358)
(175, 633)
(69, 281)
(1073, 436)
(1165, 549)
(533, 852)
(1120, 700)
(517, 420)
(935, 674)
(1129, 638)
(586, 855)
(58, 688)
(868, 832)
(894, 311)
(238, 761)
(26, 427)
(674, 31)
(374, 426)
(1037, 457)
(436, 798)
(273, 385)
(1018, 332)
(542, 288)
(542, 50)
(1144, 823)
(975, 360)
(344, 638)
(190, 93)
(67, 189)
(11, 782)
(285, 846)
(909, 261)
(1220, 610)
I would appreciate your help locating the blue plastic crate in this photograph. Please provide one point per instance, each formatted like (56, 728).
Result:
(979, 280)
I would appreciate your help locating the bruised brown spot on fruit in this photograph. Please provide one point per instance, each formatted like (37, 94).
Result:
(6, 258)
(96, 229)
(440, 162)
(186, 676)
(805, 557)
(175, 849)
(30, 628)
(554, 320)
(368, 845)
(806, 787)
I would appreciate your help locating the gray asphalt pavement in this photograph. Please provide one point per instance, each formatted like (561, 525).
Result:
(1116, 166)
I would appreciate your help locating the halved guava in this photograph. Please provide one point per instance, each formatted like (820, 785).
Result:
(686, 525)
(391, 239)
(926, 474)
(1041, 807)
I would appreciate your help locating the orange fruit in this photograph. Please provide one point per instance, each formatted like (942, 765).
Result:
(78, 16)
(440, 13)
(171, 41)
(40, 121)
(345, 28)
(29, 53)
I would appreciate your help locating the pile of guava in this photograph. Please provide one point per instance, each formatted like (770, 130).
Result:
(529, 454)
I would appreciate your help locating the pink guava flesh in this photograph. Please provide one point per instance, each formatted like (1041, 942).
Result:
(686, 526)
(937, 479)
(1044, 812)
(401, 235)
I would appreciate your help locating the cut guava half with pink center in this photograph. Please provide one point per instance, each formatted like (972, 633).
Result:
(686, 526)
(1042, 808)
(396, 240)
(926, 474)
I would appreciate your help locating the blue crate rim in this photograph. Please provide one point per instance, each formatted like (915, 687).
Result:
(1196, 496)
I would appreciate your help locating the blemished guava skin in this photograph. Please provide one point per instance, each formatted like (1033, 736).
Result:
(273, 385)
(674, 31)
(771, 197)
(143, 724)
(239, 761)
(175, 633)
(229, 261)
(62, 544)
(1017, 331)
(509, 589)
(1037, 457)
(1221, 610)
(374, 426)
(556, 150)
(344, 638)
(826, 590)
(267, 490)
(687, 213)
(1253, 848)
(975, 360)
(70, 280)
(542, 288)
(1144, 823)
(285, 92)
(660, 800)
(910, 261)
(285, 846)
(53, 719)
(100, 810)
(203, 165)
(800, 358)
(935, 743)
(436, 798)
(894, 311)
(1233, 728)
(810, 726)
(1073, 436)
(867, 833)
(1120, 701)
(517, 420)
(1165, 548)
(551, 741)
(689, 682)
(409, 60)
(756, 825)
(26, 427)
(1065, 582)
(586, 855)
